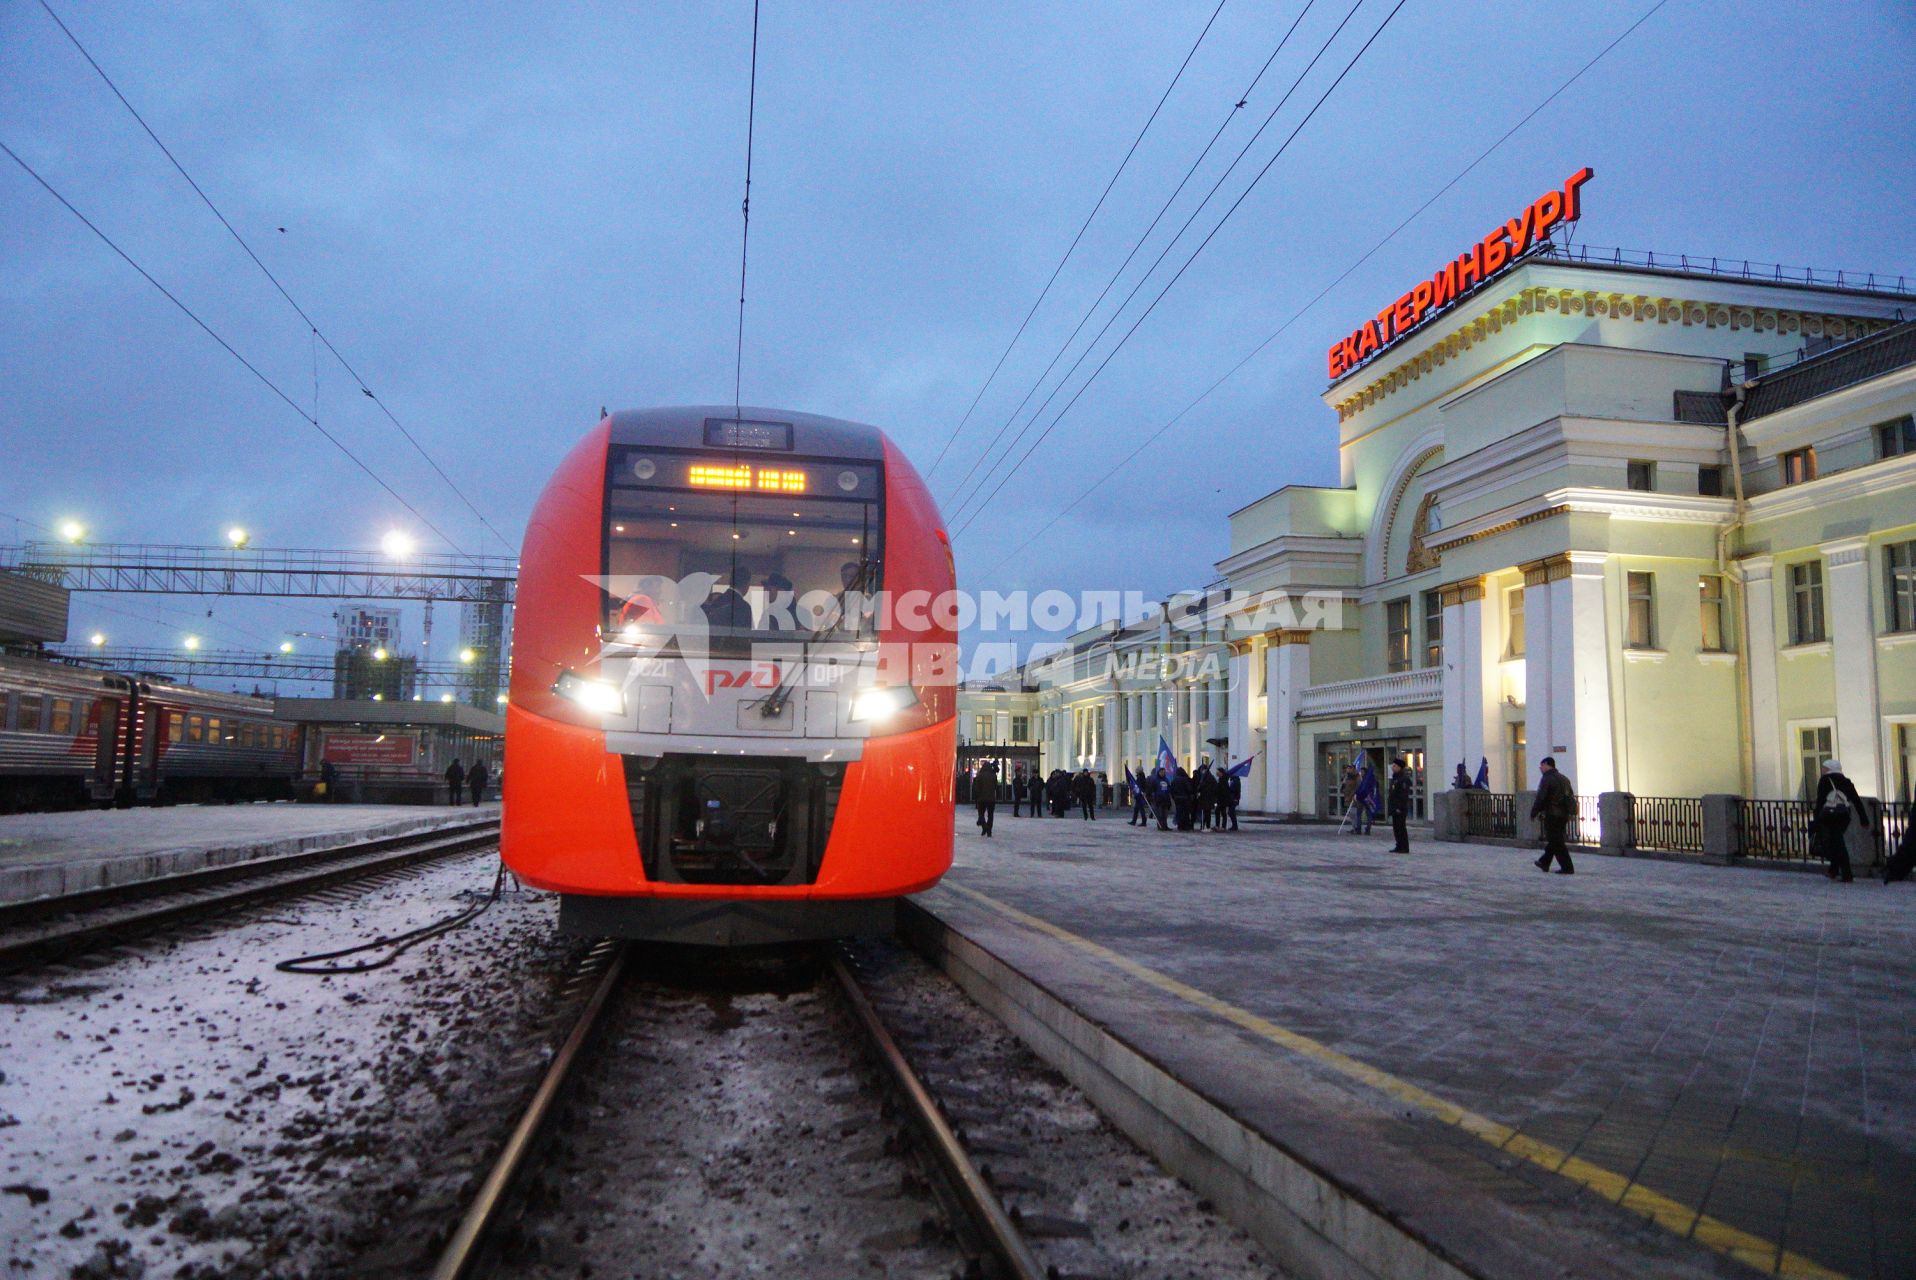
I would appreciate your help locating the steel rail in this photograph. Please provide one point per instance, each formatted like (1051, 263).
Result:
(463, 1250)
(979, 1201)
(71, 923)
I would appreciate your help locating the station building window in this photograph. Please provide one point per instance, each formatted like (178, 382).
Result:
(1899, 585)
(1643, 610)
(1813, 747)
(1709, 482)
(1433, 628)
(981, 727)
(1896, 438)
(1642, 476)
(1513, 622)
(1709, 590)
(1806, 603)
(1397, 634)
(1798, 465)
(1020, 728)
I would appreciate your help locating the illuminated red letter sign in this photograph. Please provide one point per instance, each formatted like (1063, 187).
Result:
(1495, 253)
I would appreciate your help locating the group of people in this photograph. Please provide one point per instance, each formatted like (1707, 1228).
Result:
(459, 778)
(1206, 799)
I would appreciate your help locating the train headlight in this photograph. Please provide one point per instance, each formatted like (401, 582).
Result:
(594, 695)
(882, 702)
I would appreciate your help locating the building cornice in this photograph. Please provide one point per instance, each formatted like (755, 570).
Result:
(1464, 331)
(1290, 545)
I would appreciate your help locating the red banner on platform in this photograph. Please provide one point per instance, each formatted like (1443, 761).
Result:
(370, 748)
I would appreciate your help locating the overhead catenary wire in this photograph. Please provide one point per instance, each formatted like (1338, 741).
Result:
(1299, 314)
(1172, 282)
(1237, 105)
(210, 332)
(1072, 247)
(745, 209)
(311, 324)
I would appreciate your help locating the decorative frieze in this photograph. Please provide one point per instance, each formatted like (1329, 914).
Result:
(1642, 308)
(1537, 573)
(1461, 592)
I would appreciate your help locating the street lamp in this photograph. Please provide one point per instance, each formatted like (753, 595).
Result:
(191, 642)
(445, 697)
(286, 646)
(379, 655)
(467, 655)
(96, 639)
(72, 531)
(398, 544)
(238, 537)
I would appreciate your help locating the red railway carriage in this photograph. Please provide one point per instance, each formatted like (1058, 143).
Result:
(720, 730)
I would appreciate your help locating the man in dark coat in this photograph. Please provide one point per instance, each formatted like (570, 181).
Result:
(476, 781)
(1399, 805)
(1140, 799)
(1161, 797)
(1230, 790)
(456, 782)
(1017, 789)
(1837, 806)
(984, 794)
(1183, 794)
(1206, 786)
(1058, 791)
(1084, 790)
(1555, 805)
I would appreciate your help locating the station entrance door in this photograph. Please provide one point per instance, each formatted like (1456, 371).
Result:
(1335, 753)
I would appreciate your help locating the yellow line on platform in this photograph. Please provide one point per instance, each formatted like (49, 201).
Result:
(1677, 1218)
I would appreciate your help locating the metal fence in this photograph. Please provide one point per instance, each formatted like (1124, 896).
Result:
(1673, 823)
(1490, 813)
(1587, 826)
(1777, 829)
(1891, 822)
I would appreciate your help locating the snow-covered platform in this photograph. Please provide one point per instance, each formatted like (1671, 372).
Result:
(49, 854)
(1450, 1064)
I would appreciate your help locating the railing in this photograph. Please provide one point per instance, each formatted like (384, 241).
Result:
(1587, 826)
(1777, 829)
(1374, 693)
(1735, 268)
(1490, 813)
(1672, 823)
(1891, 822)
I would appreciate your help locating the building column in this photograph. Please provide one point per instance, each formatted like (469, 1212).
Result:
(1540, 655)
(1287, 675)
(1581, 714)
(1113, 745)
(1238, 719)
(1463, 676)
(1853, 652)
(1755, 573)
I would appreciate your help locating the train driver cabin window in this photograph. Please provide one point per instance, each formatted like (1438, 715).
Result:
(761, 546)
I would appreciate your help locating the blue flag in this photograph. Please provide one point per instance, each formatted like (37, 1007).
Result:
(1367, 789)
(1166, 761)
(1242, 769)
(1483, 775)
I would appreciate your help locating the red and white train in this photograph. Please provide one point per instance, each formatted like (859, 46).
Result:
(74, 735)
(716, 731)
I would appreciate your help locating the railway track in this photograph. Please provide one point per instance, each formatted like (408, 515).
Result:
(45, 930)
(984, 1236)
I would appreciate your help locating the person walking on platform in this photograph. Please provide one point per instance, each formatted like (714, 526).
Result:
(329, 781)
(1084, 790)
(1837, 806)
(1140, 799)
(456, 782)
(1161, 797)
(1399, 805)
(984, 794)
(476, 781)
(1230, 791)
(1058, 791)
(1555, 805)
(1017, 789)
(1183, 794)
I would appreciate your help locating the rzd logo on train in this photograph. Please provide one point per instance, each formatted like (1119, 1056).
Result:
(761, 675)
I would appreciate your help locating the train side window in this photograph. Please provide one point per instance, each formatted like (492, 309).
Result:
(61, 720)
(175, 726)
(212, 728)
(195, 729)
(6, 709)
(27, 712)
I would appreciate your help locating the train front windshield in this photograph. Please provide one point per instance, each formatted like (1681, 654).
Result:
(761, 548)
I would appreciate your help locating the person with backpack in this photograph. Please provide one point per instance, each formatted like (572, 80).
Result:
(1837, 806)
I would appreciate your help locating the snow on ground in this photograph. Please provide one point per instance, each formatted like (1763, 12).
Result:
(184, 1109)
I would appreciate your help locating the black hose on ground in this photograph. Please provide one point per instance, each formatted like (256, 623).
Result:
(399, 943)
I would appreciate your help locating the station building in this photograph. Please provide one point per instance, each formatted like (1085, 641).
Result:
(1657, 521)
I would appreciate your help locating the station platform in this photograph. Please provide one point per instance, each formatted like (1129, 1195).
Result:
(49, 854)
(1449, 1064)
